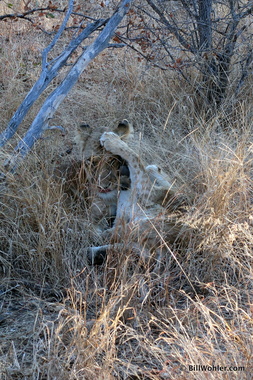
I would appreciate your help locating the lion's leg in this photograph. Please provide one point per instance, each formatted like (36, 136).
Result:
(163, 192)
(158, 177)
(112, 143)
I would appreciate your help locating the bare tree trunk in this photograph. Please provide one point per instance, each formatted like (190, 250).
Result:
(216, 69)
(40, 123)
(205, 24)
(45, 78)
(49, 71)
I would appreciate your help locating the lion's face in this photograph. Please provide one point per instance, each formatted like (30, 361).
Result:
(107, 174)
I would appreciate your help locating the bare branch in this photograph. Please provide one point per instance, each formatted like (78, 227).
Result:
(40, 123)
(58, 34)
(172, 29)
(245, 71)
(47, 75)
(35, 10)
(52, 127)
(124, 41)
(28, 13)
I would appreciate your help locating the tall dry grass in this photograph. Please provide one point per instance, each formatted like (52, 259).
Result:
(62, 319)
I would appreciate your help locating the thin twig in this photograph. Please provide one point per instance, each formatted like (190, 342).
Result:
(58, 35)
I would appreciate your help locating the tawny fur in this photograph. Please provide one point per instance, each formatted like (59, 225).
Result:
(140, 208)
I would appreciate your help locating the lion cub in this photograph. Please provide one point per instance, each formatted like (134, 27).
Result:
(107, 174)
(140, 207)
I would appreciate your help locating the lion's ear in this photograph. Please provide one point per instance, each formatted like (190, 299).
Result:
(124, 129)
(83, 133)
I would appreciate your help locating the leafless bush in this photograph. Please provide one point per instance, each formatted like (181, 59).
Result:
(212, 38)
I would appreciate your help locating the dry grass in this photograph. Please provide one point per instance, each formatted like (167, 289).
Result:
(60, 318)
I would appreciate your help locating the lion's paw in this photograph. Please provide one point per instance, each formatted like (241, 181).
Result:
(111, 142)
(108, 136)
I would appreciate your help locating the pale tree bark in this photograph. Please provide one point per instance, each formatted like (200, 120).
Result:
(48, 73)
(53, 101)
